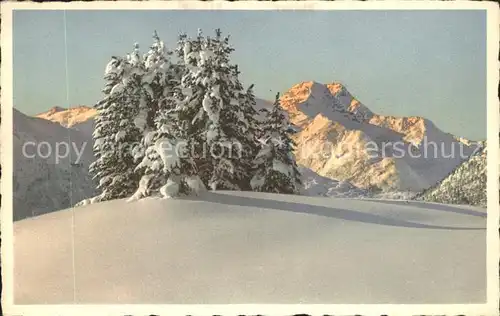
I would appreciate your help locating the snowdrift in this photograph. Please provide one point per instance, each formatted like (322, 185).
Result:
(247, 247)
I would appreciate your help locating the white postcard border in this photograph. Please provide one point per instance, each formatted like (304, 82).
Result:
(493, 159)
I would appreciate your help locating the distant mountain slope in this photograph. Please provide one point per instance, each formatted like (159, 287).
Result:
(341, 138)
(78, 117)
(44, 185)
(68, 117)
(316, 185)
(464, 185)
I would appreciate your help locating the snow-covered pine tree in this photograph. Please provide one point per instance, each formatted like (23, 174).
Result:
(212, 112)
(252, 132)
(117, 128)
(159, 163)
(226, 129)
(276, 169)
(189, 111)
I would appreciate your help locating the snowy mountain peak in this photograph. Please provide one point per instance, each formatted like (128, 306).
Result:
(68, 117)
(307, 99)
(295, 95)
(55, 109)
(353, 105)
(337, 130)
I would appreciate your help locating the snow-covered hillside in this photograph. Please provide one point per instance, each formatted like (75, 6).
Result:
(44, 185)
(248, 247)
(340, 138)
(465, 185)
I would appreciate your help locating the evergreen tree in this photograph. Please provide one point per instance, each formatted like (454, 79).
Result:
(173, 128)
(251, 132)
(227, 122)
(213, 112)
(276, 169)
(117, 128)
(158, 155)
(189, 112)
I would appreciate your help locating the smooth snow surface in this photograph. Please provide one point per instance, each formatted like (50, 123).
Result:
(247, 247)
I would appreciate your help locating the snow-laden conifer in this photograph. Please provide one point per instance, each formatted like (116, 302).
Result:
(117, 127)
(276, 169)
(160, 156)
(212, 111)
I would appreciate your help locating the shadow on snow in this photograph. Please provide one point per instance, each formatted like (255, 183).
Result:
(342, 214)
(433, 206)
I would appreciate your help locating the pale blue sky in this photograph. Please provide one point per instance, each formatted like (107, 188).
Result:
(427, 63)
